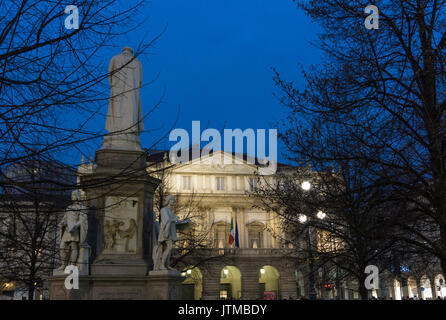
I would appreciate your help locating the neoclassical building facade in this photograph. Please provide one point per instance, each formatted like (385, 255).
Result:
(221, 184)
(262, 266)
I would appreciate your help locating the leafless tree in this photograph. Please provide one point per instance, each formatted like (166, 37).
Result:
(29, 217)
(53, 86)
(339, 224)
(383, 91)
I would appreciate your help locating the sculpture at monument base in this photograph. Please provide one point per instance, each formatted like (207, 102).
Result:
(73, 233)
(120, 224)
(167, 235)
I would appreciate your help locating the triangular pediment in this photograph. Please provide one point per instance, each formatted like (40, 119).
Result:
(219, 162)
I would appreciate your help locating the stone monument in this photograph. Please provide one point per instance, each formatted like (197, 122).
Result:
(119, 194)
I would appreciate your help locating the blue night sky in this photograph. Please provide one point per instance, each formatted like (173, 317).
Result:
(214, 63)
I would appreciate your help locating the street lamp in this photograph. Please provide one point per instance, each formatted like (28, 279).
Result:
(306, 185)
(187, 273)
(312, 292)
(302, 218)
(321, 215)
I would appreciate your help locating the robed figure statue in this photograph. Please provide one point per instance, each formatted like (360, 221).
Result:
(166, 234)
(73, 233)
(124, 117)
(166, 237)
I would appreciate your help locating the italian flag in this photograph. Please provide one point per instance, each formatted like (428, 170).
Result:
(231, 232)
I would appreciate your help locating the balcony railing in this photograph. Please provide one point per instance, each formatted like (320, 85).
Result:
(240, 252)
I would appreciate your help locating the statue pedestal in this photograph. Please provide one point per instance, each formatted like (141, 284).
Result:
(164, 285)
(158, 285)
(122, 141)
(100, 288)
(119, 192)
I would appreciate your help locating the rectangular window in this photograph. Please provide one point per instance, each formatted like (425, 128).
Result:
(254, 239)
(186, 183)
(252, 184)
(221, 238)
(234, 183)
(220, 183)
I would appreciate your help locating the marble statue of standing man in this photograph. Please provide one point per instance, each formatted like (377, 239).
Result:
(124, 118)
(167, 236)
(73, 232)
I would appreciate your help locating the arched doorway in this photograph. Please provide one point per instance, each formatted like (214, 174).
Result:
(397, 286)
(412, 287)
(440, 286)
(230, 283)
(426, 288)
(268, 283)
(192, 286)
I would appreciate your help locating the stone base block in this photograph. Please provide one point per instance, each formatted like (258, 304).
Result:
(159, 285)
(100, 288)
(58, 291)
(122, 141)
(164, 285)
(110, 160)
(109, 267)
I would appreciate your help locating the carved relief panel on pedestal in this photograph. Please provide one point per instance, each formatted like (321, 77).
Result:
(120, 224)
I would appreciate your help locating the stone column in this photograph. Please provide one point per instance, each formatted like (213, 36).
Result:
(418, 283)
(250, 280)
(391, 290)
(405, 287)
(242, 229)
(213, 183)
(287, 283)
(346, 293)
(434, 287)
(211, 284)
(268, 243)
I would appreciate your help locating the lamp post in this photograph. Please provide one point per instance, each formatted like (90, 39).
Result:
(312, 293)
(303, 219)
(306, 186)
(337, 284)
